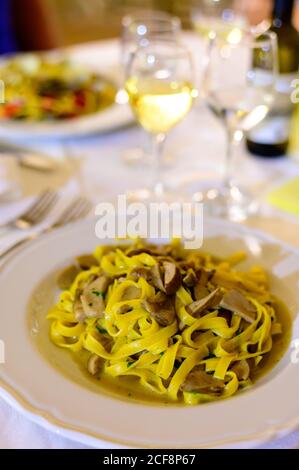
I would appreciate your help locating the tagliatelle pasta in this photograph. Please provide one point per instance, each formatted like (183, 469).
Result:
(186, 325)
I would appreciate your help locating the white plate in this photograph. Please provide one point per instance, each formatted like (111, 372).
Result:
(63, 400)
(112, 118)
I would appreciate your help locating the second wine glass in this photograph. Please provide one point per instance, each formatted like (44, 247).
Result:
(159, 83)
(240, 91)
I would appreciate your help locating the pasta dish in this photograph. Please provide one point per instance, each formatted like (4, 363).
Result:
(181, 325)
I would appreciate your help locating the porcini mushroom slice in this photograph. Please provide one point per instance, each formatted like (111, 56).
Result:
(190, 278)
(86, 261)
(156, 277)
(94, 364)
(67, 277)
(172, 277)
(201, 382)
(241, 369)
(236, 302)
(204, 275)
(93, 295)
(145, 273)
(210, 301)
(200, 289)
(131, 293)
(161, 309)
(78, 309)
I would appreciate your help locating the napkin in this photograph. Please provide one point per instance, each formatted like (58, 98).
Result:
(10, 211)
(286, 197)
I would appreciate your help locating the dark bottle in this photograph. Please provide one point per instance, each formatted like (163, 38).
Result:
(271, 137)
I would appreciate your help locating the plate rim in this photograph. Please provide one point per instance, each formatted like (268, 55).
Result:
(96, 439)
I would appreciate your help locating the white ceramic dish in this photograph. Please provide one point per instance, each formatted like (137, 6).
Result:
(46, 385)
(112, 118)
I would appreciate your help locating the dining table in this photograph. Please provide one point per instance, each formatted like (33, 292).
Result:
(97, 166)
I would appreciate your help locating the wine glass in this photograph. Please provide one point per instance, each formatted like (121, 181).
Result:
(218, 18)
(159, 84)
(138, 30)
(240, 90)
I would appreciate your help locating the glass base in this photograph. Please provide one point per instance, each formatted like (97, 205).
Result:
(157, 194)
(230, 202)
(135, 157)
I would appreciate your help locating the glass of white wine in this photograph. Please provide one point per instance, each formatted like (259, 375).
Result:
(138, 30)
(160, 87)
(240, 92)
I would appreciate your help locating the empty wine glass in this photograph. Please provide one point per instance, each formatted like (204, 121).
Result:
(240, 90)
(159, 83)
(218, 18)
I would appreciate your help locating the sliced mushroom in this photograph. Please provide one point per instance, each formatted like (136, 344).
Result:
(93, 295)
(131, 293)
(210, 301)
(201, 382)
(94, 364)
(241, 369)
(172, 277)
(161, 309)
(145, 273)
(200, 292)
(106, 341)
(67, 277)
(204, 275)
(236, 302)
(190, 278)
(156, 277)
(200, 289)
(86, 261)
(78, 308)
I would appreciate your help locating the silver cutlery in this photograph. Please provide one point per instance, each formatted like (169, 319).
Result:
(29, 158)
(78, 209)
(36, 213)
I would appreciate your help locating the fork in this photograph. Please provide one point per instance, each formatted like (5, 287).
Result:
(36, 213)
(78, 209)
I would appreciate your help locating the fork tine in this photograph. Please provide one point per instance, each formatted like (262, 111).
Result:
(67, 213)
(79, 210)
(40, 201)
(45, 208)
(74, 211)
(83, 211)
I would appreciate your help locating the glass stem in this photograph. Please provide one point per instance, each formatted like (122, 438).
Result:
(227, 178)
(158, 147)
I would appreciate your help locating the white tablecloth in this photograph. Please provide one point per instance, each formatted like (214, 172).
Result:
(195, 150)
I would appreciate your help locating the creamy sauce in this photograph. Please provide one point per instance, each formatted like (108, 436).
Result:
(73, 366)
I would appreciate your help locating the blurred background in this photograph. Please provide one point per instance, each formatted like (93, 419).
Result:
(45, 24)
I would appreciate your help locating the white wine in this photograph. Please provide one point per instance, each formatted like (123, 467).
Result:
(159, 105)
(242, 109)
(210, 28)
(271, 137)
